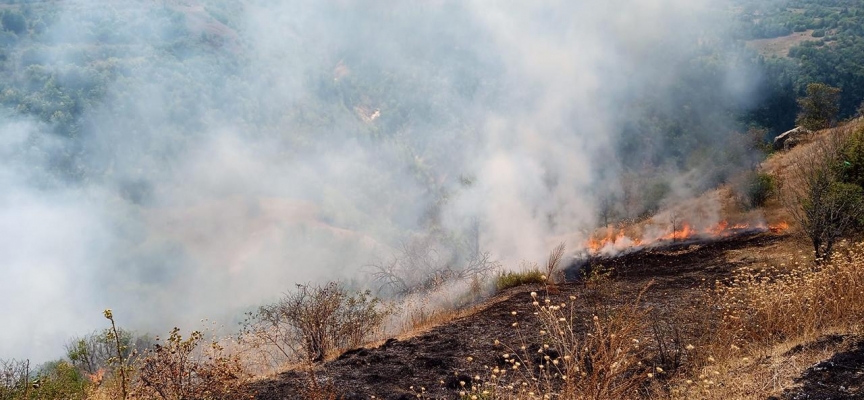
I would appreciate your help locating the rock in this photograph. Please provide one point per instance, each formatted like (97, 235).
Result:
(790, 139)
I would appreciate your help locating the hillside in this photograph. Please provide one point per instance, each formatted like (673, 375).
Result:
(223, 199)
(677, 276)
(666, 290)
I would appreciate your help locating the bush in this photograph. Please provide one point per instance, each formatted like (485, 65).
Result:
(14, 379)
(852, 162)
(425, 263)
(825, 207)
(314, 320)
(180, 369)
(60, 380)
(91, 353)
(819, 108)
(53, 380)
(759, 186)
(507, 280)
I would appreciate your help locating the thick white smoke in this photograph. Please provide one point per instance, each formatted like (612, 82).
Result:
(305, 138)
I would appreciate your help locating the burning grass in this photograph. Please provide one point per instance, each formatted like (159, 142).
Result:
(620, 241)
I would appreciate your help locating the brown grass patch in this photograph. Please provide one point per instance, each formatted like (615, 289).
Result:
(779, 47)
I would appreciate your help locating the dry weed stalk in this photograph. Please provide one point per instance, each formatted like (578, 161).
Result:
(553, 274)
(570, 357)
(769, 307)
(181, 369)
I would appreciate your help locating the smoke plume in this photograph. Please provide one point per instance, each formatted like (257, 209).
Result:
(233, 149)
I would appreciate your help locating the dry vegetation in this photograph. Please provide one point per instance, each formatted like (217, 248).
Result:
(779, 47)
(632, 329)
(752, 340)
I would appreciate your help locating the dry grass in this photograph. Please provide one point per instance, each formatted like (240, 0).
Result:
(762, 308)
(744, 352)
(740, 350)
(750, 321)
(779, 164)
(747, 377)
(511, 279)
(570, 357)
(779, 47)
(760, 314)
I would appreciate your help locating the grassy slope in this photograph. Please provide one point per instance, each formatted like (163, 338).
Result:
(677, 278)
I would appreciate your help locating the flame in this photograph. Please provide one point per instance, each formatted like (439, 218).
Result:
(97, 377)
(779, 228)
(684, 233)
(614, 241)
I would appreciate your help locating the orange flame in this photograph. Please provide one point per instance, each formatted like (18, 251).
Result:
(620, 241)
(97, 377)
(778, 228)
(684, 233)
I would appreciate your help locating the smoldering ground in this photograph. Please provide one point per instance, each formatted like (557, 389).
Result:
(228, 150)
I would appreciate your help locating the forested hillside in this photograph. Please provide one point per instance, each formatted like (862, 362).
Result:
(57, 72)
(832, 55)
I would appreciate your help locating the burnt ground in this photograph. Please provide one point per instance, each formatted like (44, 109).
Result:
(839, 377)
(438, 359)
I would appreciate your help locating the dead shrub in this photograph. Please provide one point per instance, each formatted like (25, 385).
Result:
(181, 368)
(14, 379)
(424, 264)
(313, 321)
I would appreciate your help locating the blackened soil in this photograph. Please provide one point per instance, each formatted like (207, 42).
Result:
(840, 377)
(444, 357)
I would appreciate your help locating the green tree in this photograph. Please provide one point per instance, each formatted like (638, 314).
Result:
(818, 110)
(825, 207)
(852, 163)
(59, 380)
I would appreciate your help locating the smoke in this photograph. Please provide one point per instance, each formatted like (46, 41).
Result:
(228, 151)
